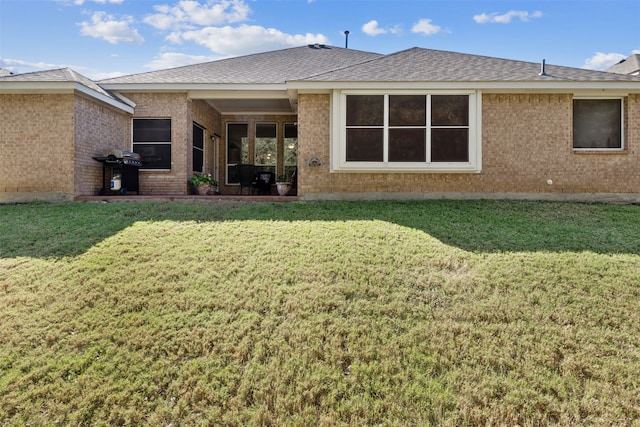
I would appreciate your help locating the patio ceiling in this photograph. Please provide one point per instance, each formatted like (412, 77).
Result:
(254, 102)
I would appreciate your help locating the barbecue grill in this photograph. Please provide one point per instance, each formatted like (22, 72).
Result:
(119, 164)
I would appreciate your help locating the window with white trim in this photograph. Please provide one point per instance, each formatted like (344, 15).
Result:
(598, 123)
(407, 131)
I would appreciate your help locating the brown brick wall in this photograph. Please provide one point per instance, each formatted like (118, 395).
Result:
(526, 140)
(206, 116)
(36, 143)
(97, 127)
(177, 107)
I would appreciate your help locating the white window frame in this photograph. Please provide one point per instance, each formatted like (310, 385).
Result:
(338, 153)
(607, 149)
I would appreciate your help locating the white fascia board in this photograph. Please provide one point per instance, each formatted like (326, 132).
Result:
(37, 87)
(61, 88)
(105, 99)
(520, 86)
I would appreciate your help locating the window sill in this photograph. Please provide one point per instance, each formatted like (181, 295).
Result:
(604, 151)
(409, 169)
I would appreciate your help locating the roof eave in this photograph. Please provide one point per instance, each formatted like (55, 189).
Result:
(191, 87)
(62, 87)
(504, 86)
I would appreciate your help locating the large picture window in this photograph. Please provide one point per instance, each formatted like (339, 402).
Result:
(400, 131)
(597, 124)
(152, 141)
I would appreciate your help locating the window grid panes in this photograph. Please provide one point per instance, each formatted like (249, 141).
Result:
(407, 128)
(152, 141)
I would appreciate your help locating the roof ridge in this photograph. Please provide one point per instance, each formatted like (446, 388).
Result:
(227, 59)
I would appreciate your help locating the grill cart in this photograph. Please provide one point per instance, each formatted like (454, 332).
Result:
(119, 172)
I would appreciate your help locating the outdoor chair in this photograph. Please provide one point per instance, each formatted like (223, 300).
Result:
(264, 180)
(246, 177)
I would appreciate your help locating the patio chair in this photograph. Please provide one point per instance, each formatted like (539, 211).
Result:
(246, 177)
(264, 180)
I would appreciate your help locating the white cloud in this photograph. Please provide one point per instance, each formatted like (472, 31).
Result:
(495, 18)
(18, 66)
(602, 61)
(106, 27)
(174, 59)
(245, 39)
(425, 26)
(187, 13)
(371, 28)
(21, 66)
(81, 2)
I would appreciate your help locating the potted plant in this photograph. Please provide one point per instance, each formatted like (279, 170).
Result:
(283, 184)
(204, 183)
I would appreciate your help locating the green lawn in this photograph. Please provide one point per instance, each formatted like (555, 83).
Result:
(326, 313)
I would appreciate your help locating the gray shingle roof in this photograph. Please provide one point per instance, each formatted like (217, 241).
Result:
(61, 75)
(418, 64)
(629, 65)
(274, 67)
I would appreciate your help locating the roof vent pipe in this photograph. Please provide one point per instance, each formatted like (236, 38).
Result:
(346, 39)
(543, 71)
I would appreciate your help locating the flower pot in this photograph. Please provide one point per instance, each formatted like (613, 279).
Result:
(203, 189)
(283, 188)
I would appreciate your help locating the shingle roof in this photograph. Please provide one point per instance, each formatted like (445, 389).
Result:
(274, 67)
(419, 64)
(630, 65)
(61, 75)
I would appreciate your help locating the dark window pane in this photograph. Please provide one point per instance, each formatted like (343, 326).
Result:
(154, 156)
(198, 148)
(198, 137)
(365, 145)
(237, 143)
(449, 145)
(365, 110)
(407, 110)
(236, 132)
(407, 145)
(597, 123)
(151, 130)
(232, 174)
(265, 130)
(198, 160)
(449, 110)
(290, 130)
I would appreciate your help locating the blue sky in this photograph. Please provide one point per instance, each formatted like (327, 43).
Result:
(107, 38)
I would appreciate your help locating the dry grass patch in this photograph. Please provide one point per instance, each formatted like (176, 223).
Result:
(419, 313)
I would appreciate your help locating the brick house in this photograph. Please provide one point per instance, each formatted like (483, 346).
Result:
(418, 123)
